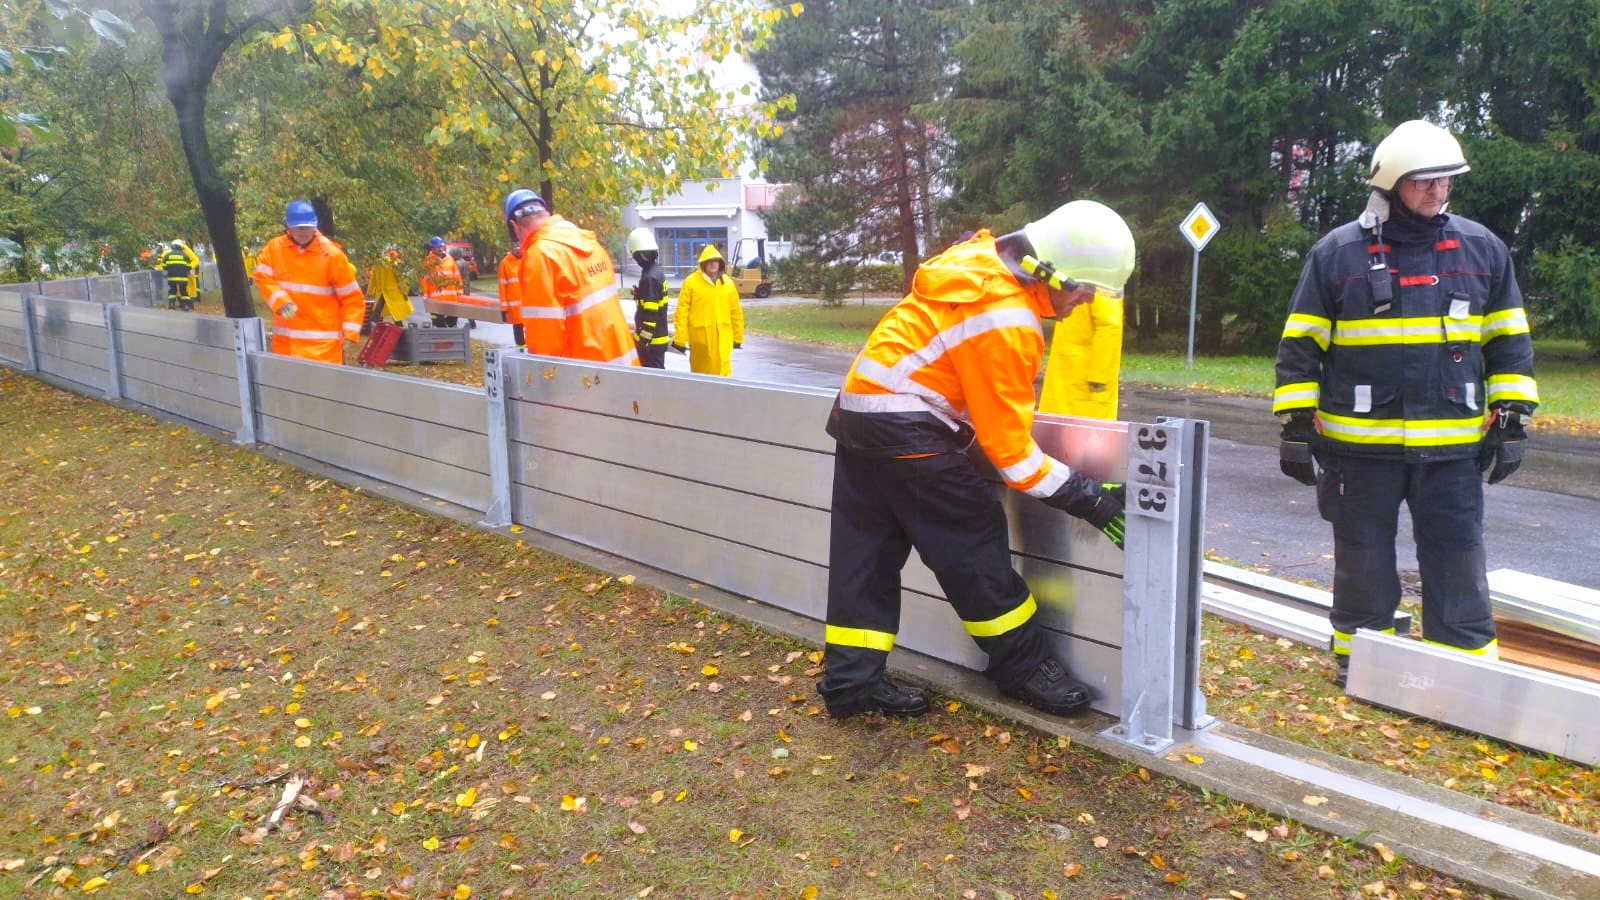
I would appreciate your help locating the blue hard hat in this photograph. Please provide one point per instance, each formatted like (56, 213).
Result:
(435, 242)
(299, 212)
(519, 198)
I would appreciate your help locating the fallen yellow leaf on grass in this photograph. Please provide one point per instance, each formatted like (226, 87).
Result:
(590, 857)
(709, 669)
(734, 835)
(1101, 842)
(397, 808)
(1197, 760)
(95, 884)
(431, 843)
(1384, 853)
(462, 892)
(467, 798)
(1071, 870)
(302, 742)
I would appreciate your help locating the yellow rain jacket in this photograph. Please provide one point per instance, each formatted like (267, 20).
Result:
(709, 320)
(384, 283)
(1086, 351)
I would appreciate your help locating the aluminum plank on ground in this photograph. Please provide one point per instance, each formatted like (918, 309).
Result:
(416, 438)
(1568, 609)
(1539, 710)
(1266, 615)
(451, 405)
(435, 479)
(783, 415)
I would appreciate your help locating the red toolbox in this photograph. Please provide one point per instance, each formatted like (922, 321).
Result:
(375, 352)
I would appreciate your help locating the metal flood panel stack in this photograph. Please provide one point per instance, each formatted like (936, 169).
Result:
(70, 339)
(180, 362)
(1566, 609)
(13, 336)
(423, 435)
(730, 483)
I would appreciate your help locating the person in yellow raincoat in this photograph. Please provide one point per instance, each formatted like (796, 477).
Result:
(385, 285)
(1080, 378)
(709, 323)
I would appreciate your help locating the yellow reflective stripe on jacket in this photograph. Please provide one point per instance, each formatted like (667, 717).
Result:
(1004, 622)
(1490, 650)
(859, 637)
(1300, 395)
(1504, 322)
(1418, 330)
(1399, 432)
(1301, 325)
(1512, 387)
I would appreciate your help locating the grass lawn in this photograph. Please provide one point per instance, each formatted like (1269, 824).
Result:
(185, 621)
(1569, 376)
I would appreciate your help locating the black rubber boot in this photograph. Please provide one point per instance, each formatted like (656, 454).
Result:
(1052, 689)
(1343, 664)
(882, 696)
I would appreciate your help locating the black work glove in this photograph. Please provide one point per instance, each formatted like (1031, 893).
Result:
(738, 345)
(1101, 505)
(1504, 436)
(675, 348)
(1294, 446)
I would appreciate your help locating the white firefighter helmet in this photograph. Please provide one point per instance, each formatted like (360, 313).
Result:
(642, 240)
(1087, 242)
(1415, 149)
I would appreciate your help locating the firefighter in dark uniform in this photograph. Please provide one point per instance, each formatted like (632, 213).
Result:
(952, 365)
(1404, 372)
(179, 263)
(650, 295)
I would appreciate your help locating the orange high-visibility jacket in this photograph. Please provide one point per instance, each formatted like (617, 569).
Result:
(441, 279)
(510, 290)
(569, 296)
(953, 361)
(1086, 350)
(322, 283)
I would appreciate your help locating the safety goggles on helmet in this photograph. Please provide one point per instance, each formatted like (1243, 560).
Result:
(1048, 274)
(530, 208)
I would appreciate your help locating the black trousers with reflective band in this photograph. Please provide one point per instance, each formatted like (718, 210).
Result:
(941, 506)
(1362, 498)
(652, 356)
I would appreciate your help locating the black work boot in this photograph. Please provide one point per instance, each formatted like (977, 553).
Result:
(1343, 664)
(1052, 689)
(882, 696)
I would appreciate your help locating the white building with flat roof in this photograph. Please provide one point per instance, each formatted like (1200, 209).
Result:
(725, 211)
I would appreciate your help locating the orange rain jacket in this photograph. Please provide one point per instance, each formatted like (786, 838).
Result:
(569, 296)
(441, 279)
(1086, 350)
(955, 361)
(322, 283)
(510, 287)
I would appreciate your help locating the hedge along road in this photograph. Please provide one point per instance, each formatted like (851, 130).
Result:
(1542, 520)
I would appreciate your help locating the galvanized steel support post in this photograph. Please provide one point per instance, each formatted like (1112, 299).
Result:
(1161, 585)
(247, 339)
(494, 395)
(113, 353)
(28, 338)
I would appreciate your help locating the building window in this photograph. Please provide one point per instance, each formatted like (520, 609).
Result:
(680, 247)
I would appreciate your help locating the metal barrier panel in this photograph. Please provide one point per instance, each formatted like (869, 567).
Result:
(422, 435)
(182, 363)
(70, 340)
(65, 288)
(144, 288)
(731, 484)
(13, 337)
(105, 288)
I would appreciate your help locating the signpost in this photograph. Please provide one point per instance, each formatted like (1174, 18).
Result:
(1198, 228)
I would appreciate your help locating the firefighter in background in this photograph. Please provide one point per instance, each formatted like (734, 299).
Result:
(441, 280)
(180, 263)
(650, 295)
(1405, 371)
(1080, 378)
(511, 294)
(311, 286)
(568, 284)
(709, 324)
(953, 364)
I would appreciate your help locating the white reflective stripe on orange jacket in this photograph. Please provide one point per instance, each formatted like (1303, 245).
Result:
(964, 346)
(569, 296)
(510, 287)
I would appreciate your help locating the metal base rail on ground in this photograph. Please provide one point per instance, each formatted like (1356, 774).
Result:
(1566, 609)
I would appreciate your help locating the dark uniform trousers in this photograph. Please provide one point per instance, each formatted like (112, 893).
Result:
(1361, 497)
(939, 504)
(652, 355)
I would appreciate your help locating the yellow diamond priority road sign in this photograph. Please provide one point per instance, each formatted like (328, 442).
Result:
(1199, 227)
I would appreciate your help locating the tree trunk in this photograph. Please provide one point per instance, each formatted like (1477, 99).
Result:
(216, 200)
(906, 211)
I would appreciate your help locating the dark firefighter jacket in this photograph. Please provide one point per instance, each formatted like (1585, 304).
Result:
(1411, 378)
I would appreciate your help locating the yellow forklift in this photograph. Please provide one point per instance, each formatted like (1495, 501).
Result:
(749, 268)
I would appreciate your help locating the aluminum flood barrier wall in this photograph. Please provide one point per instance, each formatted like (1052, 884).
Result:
(426, 436)
(181, 363)
(69, 341)
(14, 330)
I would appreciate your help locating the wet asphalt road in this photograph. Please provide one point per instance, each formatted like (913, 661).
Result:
(1544, 520)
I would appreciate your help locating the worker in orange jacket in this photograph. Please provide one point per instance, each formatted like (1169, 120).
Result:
(311, 286)
(441, 279)
(511, 293)
(950, 365)
(568, 284)
(1080, 378)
